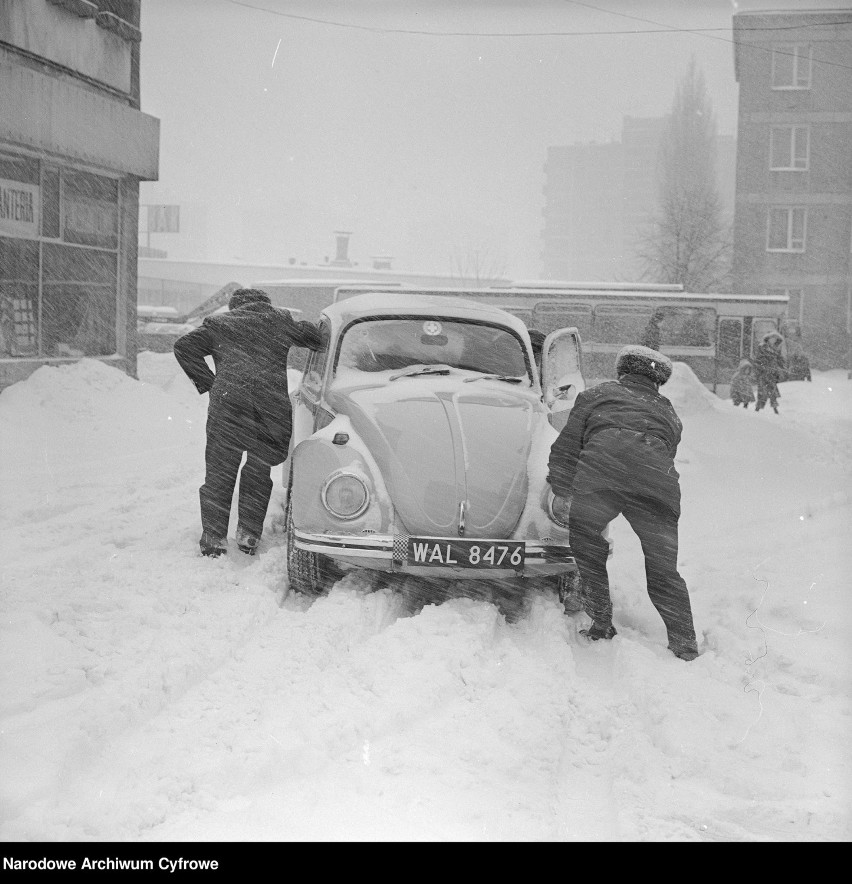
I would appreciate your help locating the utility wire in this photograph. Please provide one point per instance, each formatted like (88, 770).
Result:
(699, 32)
(662, 29)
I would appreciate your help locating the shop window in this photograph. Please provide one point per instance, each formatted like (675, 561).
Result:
(90, 209)
(78, 301)
(19, 169)
(18, 298)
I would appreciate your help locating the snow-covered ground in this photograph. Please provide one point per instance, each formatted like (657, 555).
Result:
(152, 695)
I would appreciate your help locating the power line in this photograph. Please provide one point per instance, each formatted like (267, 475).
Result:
(699, 32)
(663, 29)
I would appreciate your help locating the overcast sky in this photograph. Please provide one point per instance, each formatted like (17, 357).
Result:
(422, 126)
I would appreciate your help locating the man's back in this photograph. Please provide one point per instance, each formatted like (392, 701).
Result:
(249, 346)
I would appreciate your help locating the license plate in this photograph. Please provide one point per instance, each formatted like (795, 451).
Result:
(466, 553)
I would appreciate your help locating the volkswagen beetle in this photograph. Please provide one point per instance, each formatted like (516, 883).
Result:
(421, 432)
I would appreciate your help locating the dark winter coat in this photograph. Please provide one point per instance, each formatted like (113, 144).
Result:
(742, 383)
(248, 391)
(620, 436)
(799, 366)
(769, 364)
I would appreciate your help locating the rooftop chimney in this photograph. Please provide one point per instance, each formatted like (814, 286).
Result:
(382, 262)
(341, 259)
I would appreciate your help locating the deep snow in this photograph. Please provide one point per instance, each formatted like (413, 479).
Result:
(152, 695)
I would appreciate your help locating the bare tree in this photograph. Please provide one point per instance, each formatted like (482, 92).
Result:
(478, 262)
(687, 240)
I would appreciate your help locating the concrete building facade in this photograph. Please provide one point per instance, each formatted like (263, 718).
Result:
(73, 147)
(793, 219)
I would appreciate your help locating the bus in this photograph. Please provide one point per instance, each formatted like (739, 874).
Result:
(711, 333)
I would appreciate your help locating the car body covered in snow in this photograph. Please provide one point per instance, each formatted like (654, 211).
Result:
(421, 432)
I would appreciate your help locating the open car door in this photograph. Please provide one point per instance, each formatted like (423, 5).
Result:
(561, 373)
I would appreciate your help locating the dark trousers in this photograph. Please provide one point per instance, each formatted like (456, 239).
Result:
(766, 390)
(226, 442)
(656, 526)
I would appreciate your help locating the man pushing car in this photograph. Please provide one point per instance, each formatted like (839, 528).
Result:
(616, 455)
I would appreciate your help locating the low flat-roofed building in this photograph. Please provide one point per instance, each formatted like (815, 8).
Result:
(74, 146)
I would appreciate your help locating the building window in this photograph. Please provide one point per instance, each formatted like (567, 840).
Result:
(791, 66)
(786, 229)
(90, 210)
(78, 301)
(18, 297)
(59, 237)
(789, 148)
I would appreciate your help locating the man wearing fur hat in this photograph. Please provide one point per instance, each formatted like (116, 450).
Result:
(249, 409)
(615, 455)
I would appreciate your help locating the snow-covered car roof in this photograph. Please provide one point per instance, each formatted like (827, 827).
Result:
(372, 303)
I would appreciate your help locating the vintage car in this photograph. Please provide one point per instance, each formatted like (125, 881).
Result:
(421, 433)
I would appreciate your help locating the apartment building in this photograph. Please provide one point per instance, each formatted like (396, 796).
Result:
(793, 217)
(73, 147)
(600, 199)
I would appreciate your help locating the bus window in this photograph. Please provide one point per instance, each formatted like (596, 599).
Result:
(687, 327)
(620, 324)
(551, 317)
(730, 346)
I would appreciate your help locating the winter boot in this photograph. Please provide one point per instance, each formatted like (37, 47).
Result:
(596, 632)
(246, 541)
(775, 409)
(212, 546)
(687, 651)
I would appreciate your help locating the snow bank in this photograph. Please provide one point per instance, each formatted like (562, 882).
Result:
(686, 392)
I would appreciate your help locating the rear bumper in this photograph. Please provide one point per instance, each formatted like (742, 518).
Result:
(388, 552)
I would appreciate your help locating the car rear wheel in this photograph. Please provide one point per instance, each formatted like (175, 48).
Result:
(308, 573)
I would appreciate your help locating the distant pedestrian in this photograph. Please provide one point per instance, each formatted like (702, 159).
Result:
(616, 455)
(249, 410)
(651, 335)
(799, 366)
(770, 369)
(742, 384)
